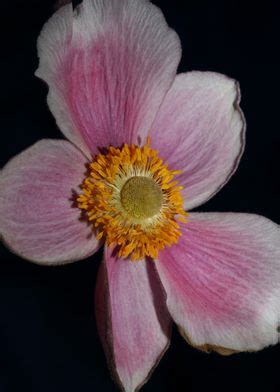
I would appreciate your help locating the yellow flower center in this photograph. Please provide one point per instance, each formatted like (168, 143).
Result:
(132, 201)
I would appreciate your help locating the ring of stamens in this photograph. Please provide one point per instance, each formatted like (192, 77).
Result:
(132, 201)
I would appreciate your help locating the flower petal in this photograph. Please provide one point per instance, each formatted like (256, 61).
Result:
(132, 318)
(200, 130)
(223, 281)
(108, 66)
(37, 218)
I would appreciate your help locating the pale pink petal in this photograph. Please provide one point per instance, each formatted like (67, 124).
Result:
(223, 280)
(38, 218)
(132, 318)
(108, 66)
(200, 130)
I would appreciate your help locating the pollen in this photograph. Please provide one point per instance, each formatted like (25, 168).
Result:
(132, 201)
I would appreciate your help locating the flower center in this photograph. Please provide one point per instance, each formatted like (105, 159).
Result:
(131, 200)
(141, 197)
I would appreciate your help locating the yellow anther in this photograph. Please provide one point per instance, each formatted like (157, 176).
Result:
(132, 201)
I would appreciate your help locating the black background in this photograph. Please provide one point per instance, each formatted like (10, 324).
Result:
(48, 336)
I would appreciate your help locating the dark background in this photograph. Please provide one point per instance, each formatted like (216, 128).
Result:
(48, 336)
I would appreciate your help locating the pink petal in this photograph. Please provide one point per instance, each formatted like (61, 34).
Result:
(108, 67)
(132, 318)
(223, 280)
(200, 130)
(38, 220)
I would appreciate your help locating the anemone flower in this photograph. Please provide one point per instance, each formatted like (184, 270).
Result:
(144, 146)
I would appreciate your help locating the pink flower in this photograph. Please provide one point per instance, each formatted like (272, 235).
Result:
(111, 70)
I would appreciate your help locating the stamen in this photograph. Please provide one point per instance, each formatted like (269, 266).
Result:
(133, 202)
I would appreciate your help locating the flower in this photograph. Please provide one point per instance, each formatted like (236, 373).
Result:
(144, 145)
